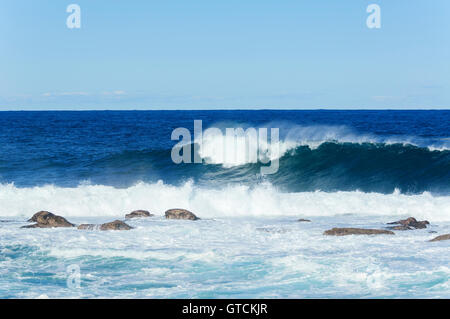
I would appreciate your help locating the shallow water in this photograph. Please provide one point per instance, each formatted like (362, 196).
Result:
(270, 257)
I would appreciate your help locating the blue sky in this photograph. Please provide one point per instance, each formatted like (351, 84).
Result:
(199, 54)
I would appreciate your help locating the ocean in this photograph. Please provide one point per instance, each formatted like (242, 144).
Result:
(336, 168)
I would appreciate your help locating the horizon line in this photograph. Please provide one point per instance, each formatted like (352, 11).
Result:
(230, 109)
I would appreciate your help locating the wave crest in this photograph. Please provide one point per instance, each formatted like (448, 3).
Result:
(236, 150)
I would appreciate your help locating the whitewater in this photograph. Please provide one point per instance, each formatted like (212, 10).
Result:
(231, 201)
(224, 257)
(337, 169)
(247, 244)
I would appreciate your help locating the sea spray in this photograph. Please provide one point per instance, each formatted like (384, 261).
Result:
(229, 201)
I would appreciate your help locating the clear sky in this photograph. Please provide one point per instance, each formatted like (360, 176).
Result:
(200, 54)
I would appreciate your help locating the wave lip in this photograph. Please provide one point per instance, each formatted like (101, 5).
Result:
(333, 158)
(230, 151)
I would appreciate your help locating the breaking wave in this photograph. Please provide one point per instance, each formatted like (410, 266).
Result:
(230, 201)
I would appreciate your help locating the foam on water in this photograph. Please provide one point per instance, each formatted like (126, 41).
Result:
(234, 200)
(224, 258)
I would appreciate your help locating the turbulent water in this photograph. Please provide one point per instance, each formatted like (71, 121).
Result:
(337, 168)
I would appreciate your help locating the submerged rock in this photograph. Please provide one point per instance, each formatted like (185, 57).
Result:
(115, 225)
(409, 224)
(180, 214)
(274, 230)
(45, 219)
(401, 227)
(138, 213)
(88, 226)
(302, 220)
(356, 231)
(442, 237)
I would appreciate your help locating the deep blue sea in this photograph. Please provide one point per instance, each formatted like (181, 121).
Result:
(337, 168)
(371, 151)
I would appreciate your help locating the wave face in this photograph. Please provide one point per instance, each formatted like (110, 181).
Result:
(366, 167)
(329, 167)
(328, 151)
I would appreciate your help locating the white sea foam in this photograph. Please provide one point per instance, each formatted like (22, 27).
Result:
(219, 148)
(225, 258)
(231, 201)
(235, 150)
(314, 136)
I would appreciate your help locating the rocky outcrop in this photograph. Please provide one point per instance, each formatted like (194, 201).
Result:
(356, 231)
(442, 237)
(45, 219)
(115, 225)
(180, 214)
(138, 213)
(409, 224)
(302, 220)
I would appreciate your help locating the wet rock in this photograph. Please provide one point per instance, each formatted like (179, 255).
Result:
(401, 227)
(356, 231)
(180, 214)
(409, 224)
(88, 226)
(442, 237)
(138, 213)
(302, 220)
(115, 225)
(45, 219)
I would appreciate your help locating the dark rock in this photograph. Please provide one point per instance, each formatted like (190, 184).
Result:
(356, 231)
(138, 213)
(442, 237)
(180, 214)
(409, 223)
(45, 219)
(115, 225)
(304, 220)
